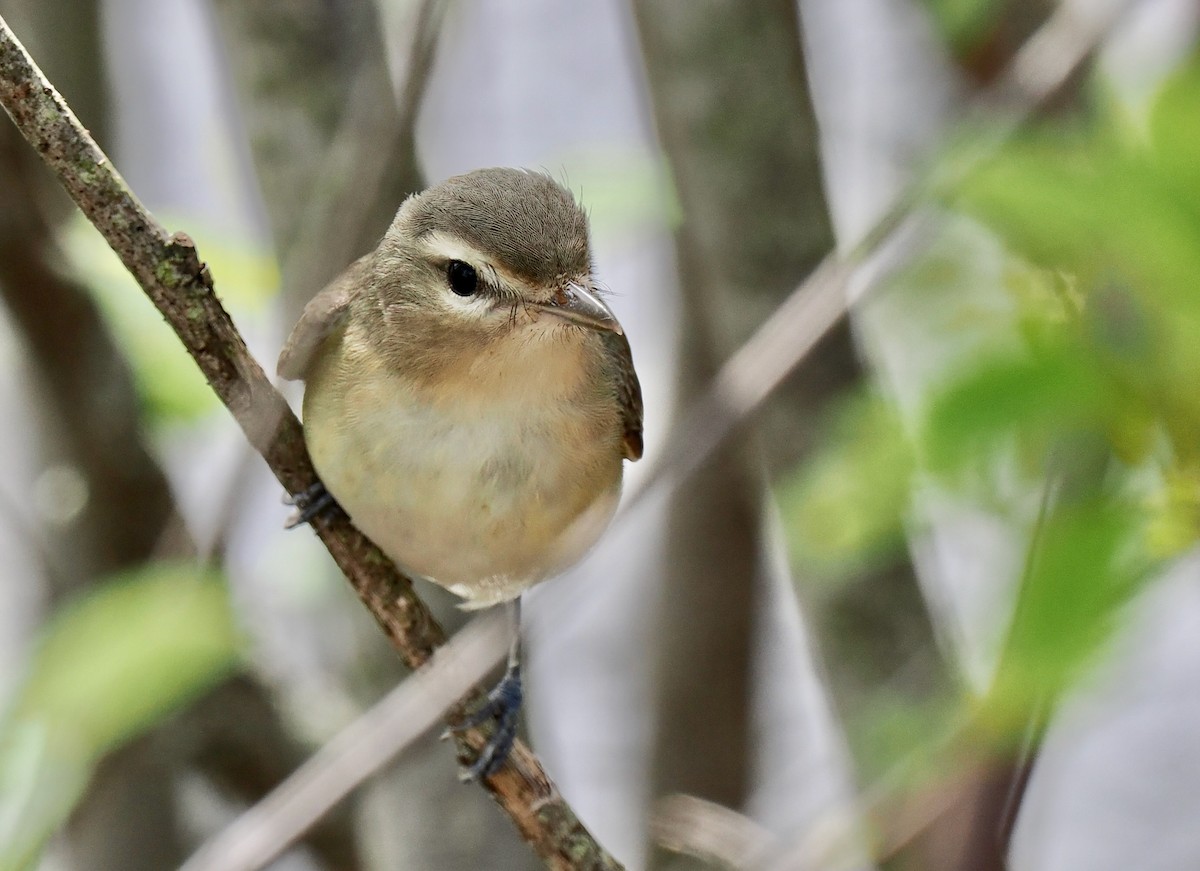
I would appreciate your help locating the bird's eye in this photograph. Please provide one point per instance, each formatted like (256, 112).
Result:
(463, 278)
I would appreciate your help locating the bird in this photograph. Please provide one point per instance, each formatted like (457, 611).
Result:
(470, 399)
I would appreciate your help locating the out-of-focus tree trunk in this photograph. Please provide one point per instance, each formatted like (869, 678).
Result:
(974, 831)
(84, 381)
(733, 111)
(732, 108)
(90, 413)
(291, 70)
(85, 385)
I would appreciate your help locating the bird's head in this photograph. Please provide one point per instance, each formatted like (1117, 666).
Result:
(491, 255)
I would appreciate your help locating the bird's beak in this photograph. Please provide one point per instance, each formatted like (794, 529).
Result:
(578, 305)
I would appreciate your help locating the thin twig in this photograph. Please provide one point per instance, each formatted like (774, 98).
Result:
(710, 832)
(783, 341)
(170, 271)
(692, 826)
(356, 753)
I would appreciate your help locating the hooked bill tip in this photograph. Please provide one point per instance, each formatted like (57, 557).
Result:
(577, 304)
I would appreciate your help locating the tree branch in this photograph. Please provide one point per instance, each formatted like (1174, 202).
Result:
(90, 405)
(170, 271)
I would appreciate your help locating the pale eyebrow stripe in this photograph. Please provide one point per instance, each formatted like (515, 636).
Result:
(439, 244)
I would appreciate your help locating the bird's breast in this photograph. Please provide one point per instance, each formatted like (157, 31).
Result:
(486, 490)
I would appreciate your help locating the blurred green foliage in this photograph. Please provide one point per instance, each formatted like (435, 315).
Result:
(1117, 206)
(846, 507)
(625, 191)
(171, 387)
(107, 667)
(962, 22)
(1086, 393)
(1084, 565)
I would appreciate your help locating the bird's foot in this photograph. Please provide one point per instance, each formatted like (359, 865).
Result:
(310, 504)
(502, 707)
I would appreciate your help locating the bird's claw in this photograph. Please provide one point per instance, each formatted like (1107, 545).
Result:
(310, 504)
(503, 707)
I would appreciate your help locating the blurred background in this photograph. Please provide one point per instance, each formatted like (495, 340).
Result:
(935, 604)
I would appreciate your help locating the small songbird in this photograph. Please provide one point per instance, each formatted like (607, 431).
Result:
(470, 398)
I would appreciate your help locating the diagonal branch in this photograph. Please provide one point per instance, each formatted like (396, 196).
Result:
(170, 271)
(356, 753)
(752, 373)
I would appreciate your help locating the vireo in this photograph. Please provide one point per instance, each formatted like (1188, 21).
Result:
(470, 398)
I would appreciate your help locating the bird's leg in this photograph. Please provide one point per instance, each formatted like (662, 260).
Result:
(310, 504)
(502, 705)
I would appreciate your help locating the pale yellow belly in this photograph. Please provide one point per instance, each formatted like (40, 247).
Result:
(483, 504)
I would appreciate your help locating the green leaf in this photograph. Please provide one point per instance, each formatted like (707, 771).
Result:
(1087, 563)
(106, 668)
(1029, 398)
(1104, 199)
(1173, 512)
(1175, 134)
(1119, 215)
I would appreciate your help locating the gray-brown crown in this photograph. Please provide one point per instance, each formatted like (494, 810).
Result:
(528, 222)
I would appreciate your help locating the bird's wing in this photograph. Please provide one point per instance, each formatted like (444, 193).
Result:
(629, 393)
(322, 317)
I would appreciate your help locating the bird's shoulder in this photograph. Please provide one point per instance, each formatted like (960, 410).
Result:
(324, 315)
